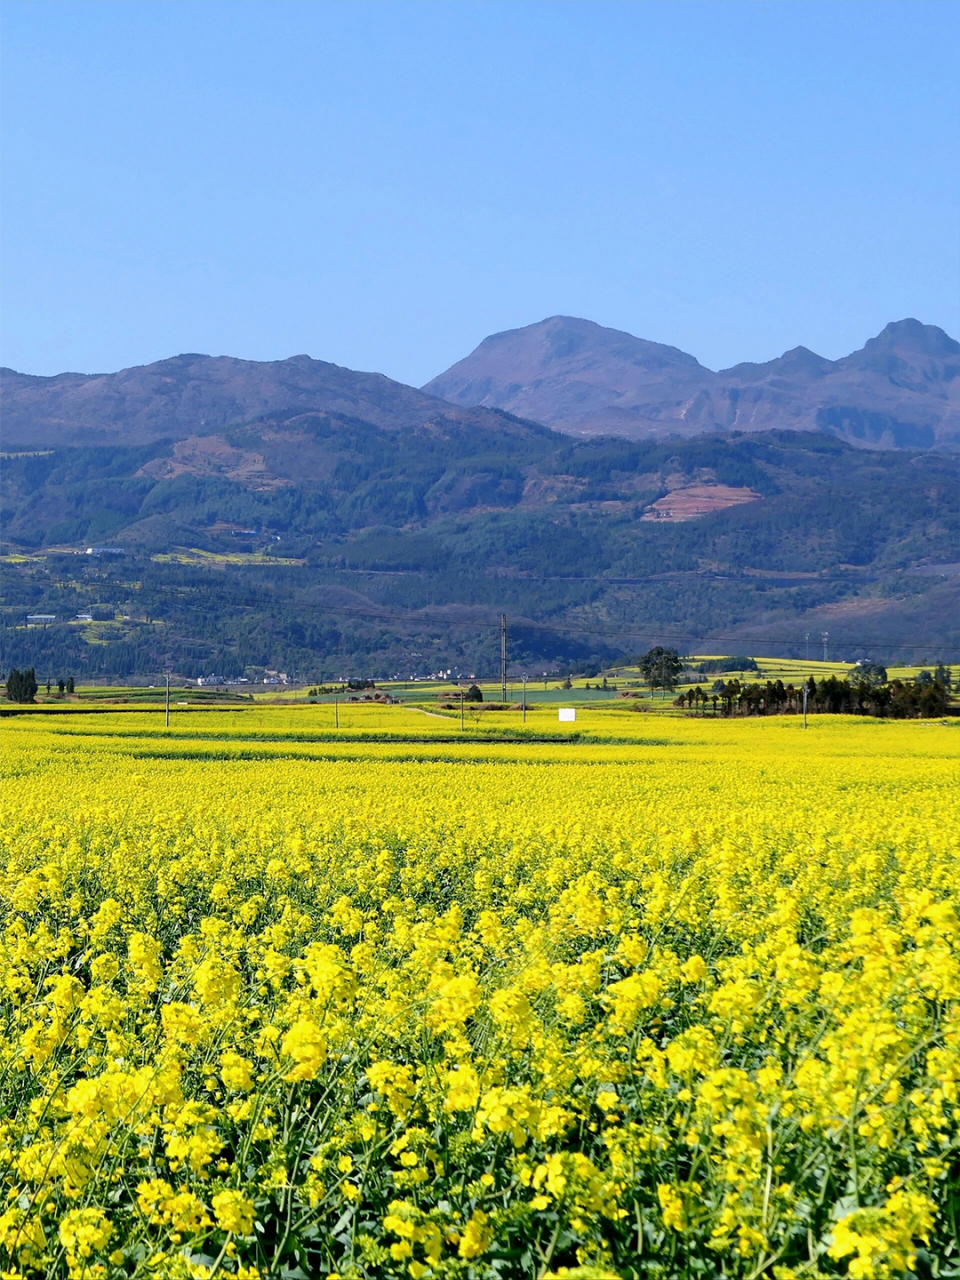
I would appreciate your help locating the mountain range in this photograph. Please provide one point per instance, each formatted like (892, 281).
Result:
(901, 390)
(294, 514)
(197, 395)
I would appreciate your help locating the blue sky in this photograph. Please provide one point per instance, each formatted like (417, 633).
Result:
(384, 184)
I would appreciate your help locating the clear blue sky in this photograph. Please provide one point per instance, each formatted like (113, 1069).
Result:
(384, 184)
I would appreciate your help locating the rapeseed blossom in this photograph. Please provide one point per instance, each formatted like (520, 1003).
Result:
(638, 1009)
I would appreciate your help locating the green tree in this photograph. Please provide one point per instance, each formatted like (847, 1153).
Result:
(872, 674)
(22, 685)
(474, 694)
(661, 668)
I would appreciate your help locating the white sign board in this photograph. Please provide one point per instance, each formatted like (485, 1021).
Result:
(567, 713)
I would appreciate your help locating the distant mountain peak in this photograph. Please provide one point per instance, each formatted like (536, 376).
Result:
(171, 399)
(912, 334)
(803, 355)
(899, 390)
(797, 362)
(563, 368)
(559, 337)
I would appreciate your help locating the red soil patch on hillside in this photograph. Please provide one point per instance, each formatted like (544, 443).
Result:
(696, 500)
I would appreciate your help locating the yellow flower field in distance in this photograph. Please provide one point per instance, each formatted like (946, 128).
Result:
(643, 996)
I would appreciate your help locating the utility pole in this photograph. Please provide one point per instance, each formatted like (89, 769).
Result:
(524, 699)
(503, 657)
(461, 711)
(806, 646)
(166, 707)
(824, 636)
(805, 692)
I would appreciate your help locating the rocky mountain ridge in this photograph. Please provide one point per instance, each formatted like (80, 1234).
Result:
(199, 395)
(900, 390)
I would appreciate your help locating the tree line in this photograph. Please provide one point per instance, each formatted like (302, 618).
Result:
(894, 699)
(22, 685)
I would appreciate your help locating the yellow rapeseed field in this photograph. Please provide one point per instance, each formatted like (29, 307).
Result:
(680, 998)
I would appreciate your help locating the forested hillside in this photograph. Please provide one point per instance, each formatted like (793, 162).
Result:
(326, 545)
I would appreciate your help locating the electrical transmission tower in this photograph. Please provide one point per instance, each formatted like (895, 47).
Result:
(824, 636)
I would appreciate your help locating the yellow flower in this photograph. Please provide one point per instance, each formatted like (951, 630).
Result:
(22, 1234)
(234, 1212)
(629, 997)
(236, 1072)
(463, 1089)
(882, 1240)
(306, 1044)
(694, 969)
(476, 1236)
(85, 1232)
(454, 1002)
(216, 983)
(511, 1012)
(671, 1207)
(396, 1082)
(143, 953)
